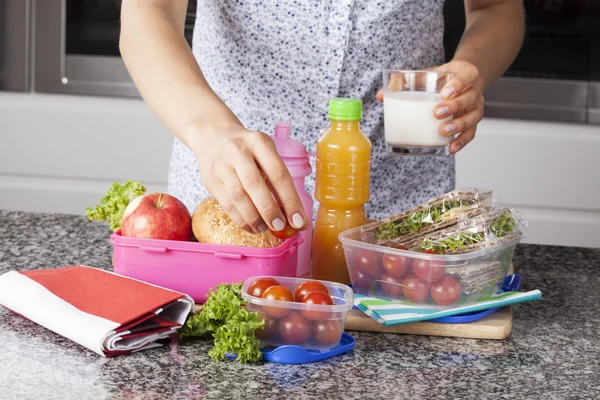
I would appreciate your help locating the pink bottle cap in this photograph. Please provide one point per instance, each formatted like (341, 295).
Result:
(286, 145)
(292, 151)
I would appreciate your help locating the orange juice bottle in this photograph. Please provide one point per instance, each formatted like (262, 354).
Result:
(341, 187)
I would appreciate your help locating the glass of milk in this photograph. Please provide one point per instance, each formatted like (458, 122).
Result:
(408, 102)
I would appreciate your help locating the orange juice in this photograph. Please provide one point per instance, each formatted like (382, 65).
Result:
(343, 173)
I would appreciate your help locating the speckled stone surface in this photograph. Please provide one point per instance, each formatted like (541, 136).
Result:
(553, 352)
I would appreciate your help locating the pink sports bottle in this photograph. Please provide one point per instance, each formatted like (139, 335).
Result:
(296, 158)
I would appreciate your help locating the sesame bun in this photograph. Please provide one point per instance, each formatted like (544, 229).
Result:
(212, 225)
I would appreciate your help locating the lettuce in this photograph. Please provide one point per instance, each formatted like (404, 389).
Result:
(112, 206)
(500, 226)
(230, 324)
(415, 221)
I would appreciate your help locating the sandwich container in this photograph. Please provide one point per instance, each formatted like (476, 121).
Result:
(419, 278)
(323, 325)
(193, 268)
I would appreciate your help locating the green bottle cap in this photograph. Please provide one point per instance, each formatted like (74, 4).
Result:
(345, 109)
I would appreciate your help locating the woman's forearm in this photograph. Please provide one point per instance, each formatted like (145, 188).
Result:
(493, 36)
(165, 71)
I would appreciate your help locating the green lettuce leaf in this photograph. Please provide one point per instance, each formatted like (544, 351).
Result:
(415, 221)
(237, 336)
(230, 324)
(500, 226)
(112, 206)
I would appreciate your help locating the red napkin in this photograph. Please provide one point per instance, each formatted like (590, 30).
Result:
(107, 313)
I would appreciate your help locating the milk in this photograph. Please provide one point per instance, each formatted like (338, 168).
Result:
(409, 120)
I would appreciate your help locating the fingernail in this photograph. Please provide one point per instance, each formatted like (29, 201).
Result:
(278, 224)
(297, 220)
(450, 128)
(263, 227)
(447, 92)
(442, 111)
(457, 148)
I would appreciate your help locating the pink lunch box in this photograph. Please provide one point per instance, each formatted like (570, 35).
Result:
(193, 268)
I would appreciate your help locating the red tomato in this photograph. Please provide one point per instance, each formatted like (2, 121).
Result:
(446, 292)
(317, 298)
(306, 287)
(392, 286)
(269, 331)
(396, 266)
(294, 329)
(286, 233)
(429, 270)
(327, 333)
(360, 281)
(257, 287)
(368, 262)
(414, 289)
(280, 293)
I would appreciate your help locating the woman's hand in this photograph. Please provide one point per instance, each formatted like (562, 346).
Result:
(244, 172)
(462, 97)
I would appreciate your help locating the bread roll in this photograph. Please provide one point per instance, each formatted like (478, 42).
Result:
(211, 224)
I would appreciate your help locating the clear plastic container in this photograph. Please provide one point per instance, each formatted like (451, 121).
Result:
(310, 326)
(193, 268)
(397, 274)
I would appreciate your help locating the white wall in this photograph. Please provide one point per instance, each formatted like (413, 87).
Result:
(548, 171)
(61, 153)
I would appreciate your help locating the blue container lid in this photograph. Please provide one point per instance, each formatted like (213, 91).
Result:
(290, 354)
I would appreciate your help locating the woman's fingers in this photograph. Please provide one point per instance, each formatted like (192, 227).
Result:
(217, 190)
(465, 101)
(254, 184)
(238, 198)
(265, 154)
(466, 121)
(467, 75)
(462, 140)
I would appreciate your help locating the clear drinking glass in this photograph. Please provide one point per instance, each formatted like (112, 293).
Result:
(409, 122)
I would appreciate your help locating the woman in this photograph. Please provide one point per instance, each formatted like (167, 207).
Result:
(255, 63)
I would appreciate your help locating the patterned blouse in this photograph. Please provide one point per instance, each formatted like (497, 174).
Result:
(272, 60)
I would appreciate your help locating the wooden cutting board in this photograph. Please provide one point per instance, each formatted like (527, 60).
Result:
(496, 326)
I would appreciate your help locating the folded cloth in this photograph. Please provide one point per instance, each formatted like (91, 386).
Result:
(107, 313)
(389, 313)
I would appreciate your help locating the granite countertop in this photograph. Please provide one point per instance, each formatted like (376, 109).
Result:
(553, 352)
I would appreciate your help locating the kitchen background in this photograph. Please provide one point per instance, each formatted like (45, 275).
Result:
(72, 122)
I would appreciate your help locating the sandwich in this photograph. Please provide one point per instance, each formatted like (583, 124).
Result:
(486, 230)
(439, 213)
(474, 278)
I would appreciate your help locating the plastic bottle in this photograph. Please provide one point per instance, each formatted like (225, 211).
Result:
(343, 171)
(296, 159)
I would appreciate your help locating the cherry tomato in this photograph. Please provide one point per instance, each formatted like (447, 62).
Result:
(446, 292)
(392, 286)
(316, 298)
(257, 287)
(306, 287)
(269, 331)
(327, 333)
(415, 289)
(280, 293)
(286, 233)
(360, 281)
(396, 266)
(369, 262)
(294, 329)
(429, 270)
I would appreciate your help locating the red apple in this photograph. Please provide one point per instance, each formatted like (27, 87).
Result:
(157, 216)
